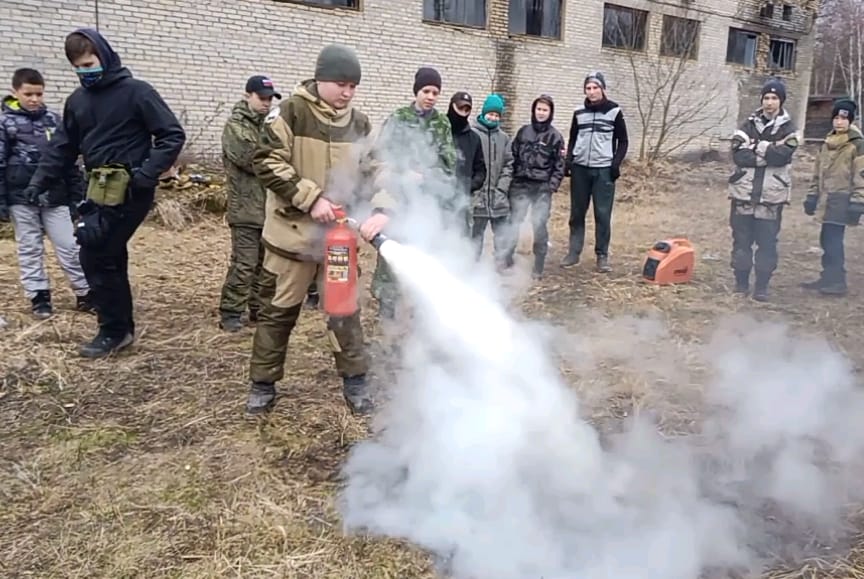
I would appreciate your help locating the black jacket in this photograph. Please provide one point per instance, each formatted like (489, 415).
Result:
(24, 135)
(120, 119)
(470, 165)
(537, 149)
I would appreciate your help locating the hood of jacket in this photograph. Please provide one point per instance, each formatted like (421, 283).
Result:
(308, 91)
(242, 111)
(836, 139)
(113, 69)
(542, 126)
(11, 106)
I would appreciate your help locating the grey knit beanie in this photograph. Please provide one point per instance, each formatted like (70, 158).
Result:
(338, 63)
(596, 77)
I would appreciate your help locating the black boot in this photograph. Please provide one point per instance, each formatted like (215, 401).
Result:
(834, 284)
(603, 264)
(760, 289)
(742, 281)
(814, 285)
(572, 257)
(539, 263)
(103, 346)
(262, 396)
(231, 322)
(41, 305)
(354, 389)
(85, 303)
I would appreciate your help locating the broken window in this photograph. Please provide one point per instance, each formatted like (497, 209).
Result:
(741, 48)
(334, 3)
(767, 11)
(680, 37)
(536, 17)
(624, 27)
(781, 54)
(464, 12)
(787, 12)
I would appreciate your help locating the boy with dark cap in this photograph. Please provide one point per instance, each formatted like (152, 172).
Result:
(26, 129)
(311, 134)
(597, 147)
(470, 166)
(761, 185)
(416, 140)
(538, 169)
(838, 187)
(246, 198)
(491, 203)
(128, 137)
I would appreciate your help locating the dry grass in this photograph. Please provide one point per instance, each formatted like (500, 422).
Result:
(143, 466)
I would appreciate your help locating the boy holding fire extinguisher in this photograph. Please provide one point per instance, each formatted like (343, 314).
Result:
(311, 133)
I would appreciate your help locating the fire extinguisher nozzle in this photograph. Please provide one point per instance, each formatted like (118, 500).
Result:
(378, 240)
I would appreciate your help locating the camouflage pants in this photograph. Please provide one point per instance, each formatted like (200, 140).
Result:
(284, 284)
(243, 281)
(385, 287)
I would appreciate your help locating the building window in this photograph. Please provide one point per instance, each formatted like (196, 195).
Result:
(680, 37)
(767, 11)
(787, 12)
(463, 12)
(624, 27)
(781, 55)
(536, 17)
(741, 48)
(329, 3)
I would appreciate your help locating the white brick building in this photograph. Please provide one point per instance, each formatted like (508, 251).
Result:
(198, 54)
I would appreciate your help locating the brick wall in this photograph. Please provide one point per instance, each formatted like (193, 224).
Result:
(198, 55)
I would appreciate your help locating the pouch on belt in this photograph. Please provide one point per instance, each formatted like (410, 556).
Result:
(108, 185)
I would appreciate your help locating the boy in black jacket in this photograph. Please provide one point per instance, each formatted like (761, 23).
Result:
(128, 137)
(470, 165)
(538, 169)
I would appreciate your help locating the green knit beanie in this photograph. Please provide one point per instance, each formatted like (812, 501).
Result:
(338, 63)
(494, 103)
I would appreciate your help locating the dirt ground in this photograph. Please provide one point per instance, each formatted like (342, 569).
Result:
(144, 465)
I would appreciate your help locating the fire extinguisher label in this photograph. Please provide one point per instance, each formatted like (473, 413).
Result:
(338, 263)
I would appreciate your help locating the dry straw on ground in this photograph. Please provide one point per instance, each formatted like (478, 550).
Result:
(143, 466)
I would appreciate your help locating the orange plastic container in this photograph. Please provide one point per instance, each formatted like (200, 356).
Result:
(670, 261)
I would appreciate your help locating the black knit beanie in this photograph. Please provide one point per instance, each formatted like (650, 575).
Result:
(338, 63)
(775, 86)
(597, 77)
(845, 108)
(426, 77)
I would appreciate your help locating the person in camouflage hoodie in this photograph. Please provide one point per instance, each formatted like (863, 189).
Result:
(416, 144)
(26, 128)
(838, 189)
(246, 198)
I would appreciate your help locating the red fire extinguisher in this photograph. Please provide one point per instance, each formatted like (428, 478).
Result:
(340, 268)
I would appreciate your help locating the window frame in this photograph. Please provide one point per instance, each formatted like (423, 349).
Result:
(743, 31)
(793, 54)
(435, 22)
(643, 35)
(788, 12)
(665, 48)
(316, 4)
(562, 19)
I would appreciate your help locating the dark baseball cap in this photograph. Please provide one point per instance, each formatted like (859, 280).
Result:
(462, 98)
(262, 86)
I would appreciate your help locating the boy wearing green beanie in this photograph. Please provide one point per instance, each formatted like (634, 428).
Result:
(491, 203)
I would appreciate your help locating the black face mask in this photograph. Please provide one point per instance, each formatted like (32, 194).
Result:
(457, 121)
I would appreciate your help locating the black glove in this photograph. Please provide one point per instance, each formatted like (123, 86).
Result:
(810, 204)
(94, 223)
(615, 172)
(4, 213)
(142, 182)
(32, 194)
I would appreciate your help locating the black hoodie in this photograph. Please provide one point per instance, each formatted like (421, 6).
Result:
(120, 119)
(470, 164)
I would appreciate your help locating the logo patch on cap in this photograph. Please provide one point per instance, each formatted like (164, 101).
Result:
(843, 113)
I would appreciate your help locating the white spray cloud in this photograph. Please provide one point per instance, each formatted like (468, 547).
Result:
(481, 455)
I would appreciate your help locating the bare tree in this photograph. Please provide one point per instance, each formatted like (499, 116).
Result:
(666, 85)
(839, 51)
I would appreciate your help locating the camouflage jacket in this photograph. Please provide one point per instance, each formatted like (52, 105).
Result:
(246, 195)
(24, 135)
(307, 150)
(405, 123)
(838, 177)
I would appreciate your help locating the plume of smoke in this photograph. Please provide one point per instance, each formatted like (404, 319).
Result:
(481, 455)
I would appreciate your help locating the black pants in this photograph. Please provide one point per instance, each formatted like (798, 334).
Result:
(106, 268)
(589, 184)
(747, 232)
(833, 252)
